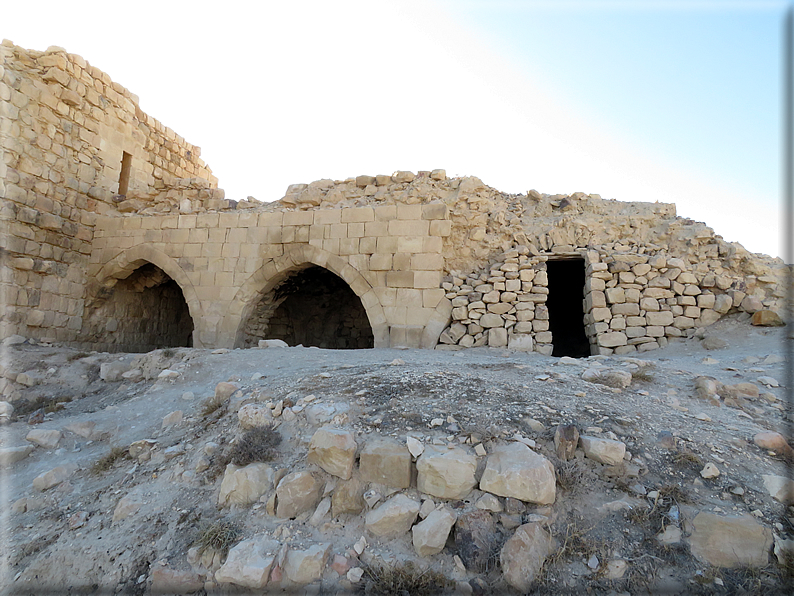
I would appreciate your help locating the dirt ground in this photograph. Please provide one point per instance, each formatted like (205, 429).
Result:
(469, 396)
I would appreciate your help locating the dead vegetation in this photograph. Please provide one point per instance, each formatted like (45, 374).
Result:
(256, 445)
(398, 580)
(218, 536)
(107, 461)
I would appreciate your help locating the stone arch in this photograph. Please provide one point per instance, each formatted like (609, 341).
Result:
(274, 271)
(128, 261)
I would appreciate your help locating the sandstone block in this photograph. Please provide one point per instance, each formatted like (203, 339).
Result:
(296, 493)
(223, 391)
(514, 470)
(393, 518)
(334, 451)
(605, 451)
(766, 318)
(430, 535)
(446, 473)
(490, 320)
(386, 461)
(244, 485)
(523, 555)
(728, 541)
(347, 497)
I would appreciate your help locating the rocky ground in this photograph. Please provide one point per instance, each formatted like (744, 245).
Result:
(398, 471)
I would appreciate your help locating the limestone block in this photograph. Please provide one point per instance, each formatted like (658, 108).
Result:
(254, 415)
(347, 497)
(663, 318)
(446, 473)
(615, 295)
(394, 517)
(11, 455)
(605, 451)
(386, 461)
(430, 535)
(53, 477)
(523, 555)
(612, 339)
(296, 493)
(520, 341)
(171, 581)
(497, 337)
(491, 320)
(244, 485)
(729, 541)
(249, 563)
(767, 318)
(707, 317)
(334, 451)
(128, 505)
(306, 566)
(514, 470)
(723, 304)
(48, 439)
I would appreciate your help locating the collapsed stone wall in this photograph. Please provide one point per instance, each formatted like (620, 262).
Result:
(65, 128)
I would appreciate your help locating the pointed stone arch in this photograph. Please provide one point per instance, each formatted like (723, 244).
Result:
(127, 261)
(274, 271)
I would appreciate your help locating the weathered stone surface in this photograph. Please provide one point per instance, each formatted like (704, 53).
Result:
(608, 376)
(727, 541)
(47, 480)
(767, 318)
(387, 462)
(430, 535)
(522, 342)
(305, 566)
(446, 473)
(523, 555)
(475, 538)
(10, 455)
(249, 563)
(112, 371)
(296, 493)
(774, 441)
(83, 429)
(605, 451)
(172, 419)
(44, 438)
(393, 518)
(254, 415)
(514, 470)
(779, 488)
(334, 451)
(128, 505)
(224, 390)
(6, 411)
(347, 497)
(566, 440)
(170, 581)
(244, 485)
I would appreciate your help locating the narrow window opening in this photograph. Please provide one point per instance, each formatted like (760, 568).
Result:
(566, 312)
(124, 178)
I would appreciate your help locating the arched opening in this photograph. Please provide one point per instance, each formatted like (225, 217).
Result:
(143, 312)
(566, 313)
(312, 307)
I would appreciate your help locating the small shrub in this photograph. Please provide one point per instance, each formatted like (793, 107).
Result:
(256, 445)
(643, 375)
(218, 536)
(107, 461)
(687, 459)
(570, 475)
(169, 353)
(212, 405)
(385, 580)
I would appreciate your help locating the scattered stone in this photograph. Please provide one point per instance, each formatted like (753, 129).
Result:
(709, 471)
(296, 493)
(81, 429)
(127, 506)
(141, 450)
(489, 502)
(566, 439)
(354, 575)
(446, 473)
(273, 343)
(347, 497)
(725, 541)
(48, 439)
(173, 419)
(54, 477)
(524, 554)
(6, 411)
(430, 535)
(712, 342)
(393, 518)
(475, 538)
(605, 451)
(170, 581)
(334, 451)
(767, 318)
(514, 470)
(244, 485)
(254, 415)
(671, 535)
(780, 488)
(249, 563)
(168, 374)
(11, 455)
(774, 441)
(385, 461)
(112, 372)
(224, 390)
(415, 446)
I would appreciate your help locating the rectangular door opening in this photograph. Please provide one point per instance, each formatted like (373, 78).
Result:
(566, 312)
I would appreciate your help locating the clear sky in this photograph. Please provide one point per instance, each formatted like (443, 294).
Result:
(638, 101)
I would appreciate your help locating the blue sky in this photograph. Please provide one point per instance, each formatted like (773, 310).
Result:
(638, 101)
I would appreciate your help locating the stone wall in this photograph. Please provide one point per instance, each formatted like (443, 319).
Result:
(64, 128)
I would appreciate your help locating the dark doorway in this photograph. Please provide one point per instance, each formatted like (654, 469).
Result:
(566, 313)
(311, 307)
(143, 312)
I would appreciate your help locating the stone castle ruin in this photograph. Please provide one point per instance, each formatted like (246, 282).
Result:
(115, 237)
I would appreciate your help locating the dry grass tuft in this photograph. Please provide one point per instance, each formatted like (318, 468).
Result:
(256, 445)
(385, 580)
(218, 536)
(107, 461)
(213, 406)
